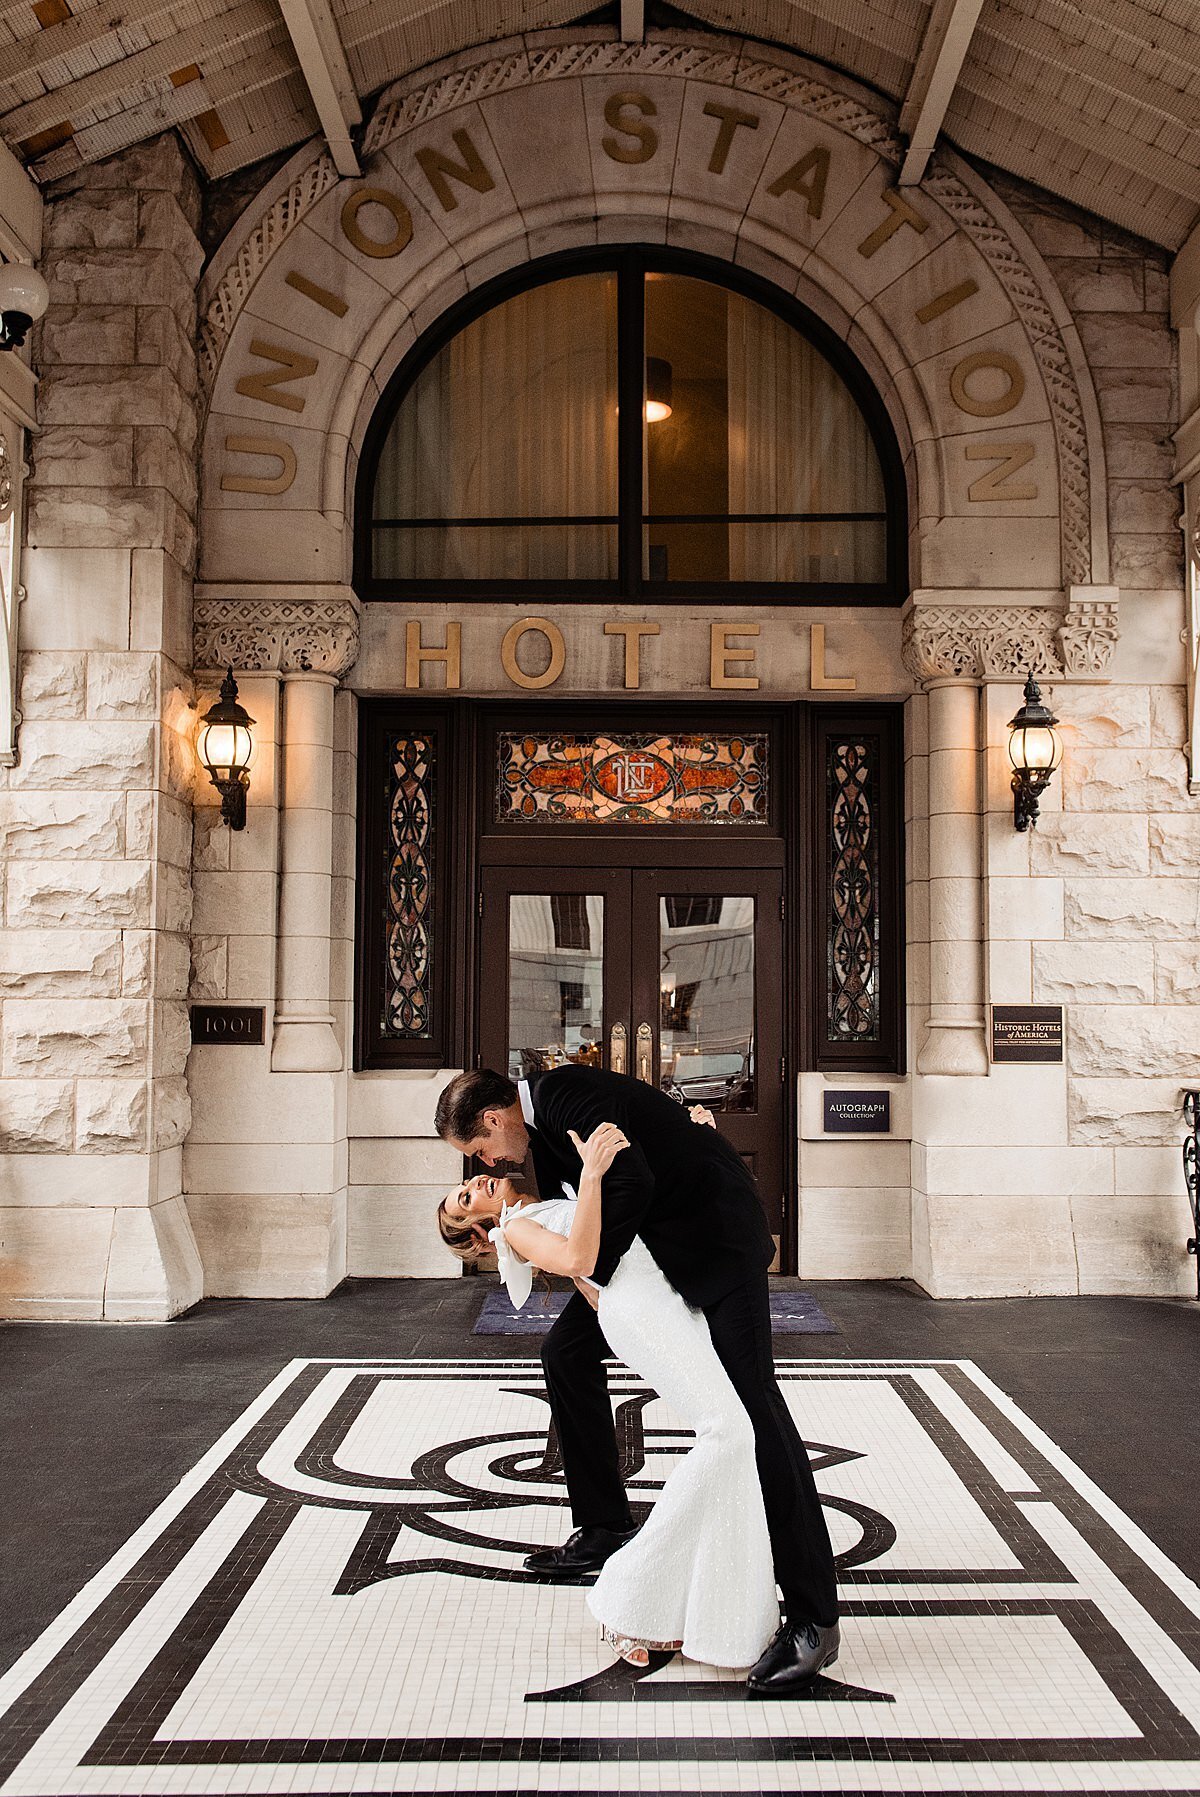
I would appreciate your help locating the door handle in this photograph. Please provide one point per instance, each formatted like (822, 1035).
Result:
(618, 1043)
(645, 1052)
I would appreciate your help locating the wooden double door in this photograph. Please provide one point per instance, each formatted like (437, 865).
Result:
(671, 974)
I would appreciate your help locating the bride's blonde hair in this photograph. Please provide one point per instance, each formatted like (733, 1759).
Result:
(465, 1245)
(461, 1238)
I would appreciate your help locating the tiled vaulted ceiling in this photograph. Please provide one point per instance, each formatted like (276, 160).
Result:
(1097, 101)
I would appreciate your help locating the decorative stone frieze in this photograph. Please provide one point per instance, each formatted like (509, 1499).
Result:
(283, 636)
(1025, 289)
(7, 477)
(1007, 642)
(272, 228)
(1089, 631)
(980, 642)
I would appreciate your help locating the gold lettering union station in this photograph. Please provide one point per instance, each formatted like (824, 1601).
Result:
(378, 226)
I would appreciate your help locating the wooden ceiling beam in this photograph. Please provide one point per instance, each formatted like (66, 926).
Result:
(241, 24)
(939, 63)
(323, 64)
(29, 54)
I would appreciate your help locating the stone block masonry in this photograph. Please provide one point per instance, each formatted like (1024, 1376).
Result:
(1098, 909)
(96, 818)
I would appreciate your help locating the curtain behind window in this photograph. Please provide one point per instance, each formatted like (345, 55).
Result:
(515, 418)
(797, 443)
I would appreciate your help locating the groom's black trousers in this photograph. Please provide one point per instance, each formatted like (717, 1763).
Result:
(740, 1324)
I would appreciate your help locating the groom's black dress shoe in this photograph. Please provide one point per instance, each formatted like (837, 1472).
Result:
(797, 1652)
(584, 1551)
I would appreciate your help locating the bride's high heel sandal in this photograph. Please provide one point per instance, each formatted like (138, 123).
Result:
(633, 1652)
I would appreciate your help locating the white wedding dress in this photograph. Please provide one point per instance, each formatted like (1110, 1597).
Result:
(699, 1570)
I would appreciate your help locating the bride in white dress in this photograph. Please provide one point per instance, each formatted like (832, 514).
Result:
(698, 1575)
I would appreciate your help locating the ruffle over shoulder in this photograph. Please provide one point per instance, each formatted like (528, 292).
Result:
(516, 1273)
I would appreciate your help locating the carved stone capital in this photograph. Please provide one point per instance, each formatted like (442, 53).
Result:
(1090, 631)
(313, 635)
(980, 642)
(1007, 642)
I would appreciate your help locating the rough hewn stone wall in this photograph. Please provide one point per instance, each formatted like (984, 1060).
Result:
(95, 820)
(1099, 908)
(1116, 288)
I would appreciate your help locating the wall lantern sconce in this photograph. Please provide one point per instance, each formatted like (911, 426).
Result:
(1035, 750)
(24, 296)
(659, 382)
(227, 748)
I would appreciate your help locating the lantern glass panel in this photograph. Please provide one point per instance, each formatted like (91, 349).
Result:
(1035, 747)
(225, 748)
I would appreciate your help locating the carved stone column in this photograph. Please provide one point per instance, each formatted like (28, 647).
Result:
(312, 642)
(957, 1039)
(304, 1040)
(952, 649)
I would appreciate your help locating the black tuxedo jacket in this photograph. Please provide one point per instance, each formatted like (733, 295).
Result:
(679, 1186)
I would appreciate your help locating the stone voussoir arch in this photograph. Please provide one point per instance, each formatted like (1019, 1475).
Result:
(551, 141)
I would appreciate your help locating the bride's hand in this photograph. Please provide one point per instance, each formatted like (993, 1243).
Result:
(601, 1148)
(699, 1114)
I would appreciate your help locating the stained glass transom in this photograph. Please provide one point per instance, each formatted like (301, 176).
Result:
(634, 779)
(408, 996)
(852, 782)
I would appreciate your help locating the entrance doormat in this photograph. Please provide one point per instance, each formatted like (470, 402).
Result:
(792, 1313)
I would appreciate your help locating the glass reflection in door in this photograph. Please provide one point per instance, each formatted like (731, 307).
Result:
(706, 1000)
(555, 981)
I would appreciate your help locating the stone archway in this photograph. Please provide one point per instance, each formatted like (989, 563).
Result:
(750, 157)
(701, 143)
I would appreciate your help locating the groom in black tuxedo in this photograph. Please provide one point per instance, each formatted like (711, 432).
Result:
(691, 1199)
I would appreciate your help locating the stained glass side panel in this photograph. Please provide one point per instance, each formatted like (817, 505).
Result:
(410, 894)
(852, 820)
(634, 779)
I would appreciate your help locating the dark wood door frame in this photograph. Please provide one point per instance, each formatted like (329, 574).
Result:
(689, 848)
(469, 839)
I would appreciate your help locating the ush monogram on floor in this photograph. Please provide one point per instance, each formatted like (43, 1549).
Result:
(334, 1600)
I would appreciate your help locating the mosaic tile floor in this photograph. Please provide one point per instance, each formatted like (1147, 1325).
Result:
(333, 1600)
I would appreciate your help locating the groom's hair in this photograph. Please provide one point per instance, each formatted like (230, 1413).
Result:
(459, 1114)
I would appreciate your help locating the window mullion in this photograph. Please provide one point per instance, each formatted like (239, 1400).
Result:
(630, 359)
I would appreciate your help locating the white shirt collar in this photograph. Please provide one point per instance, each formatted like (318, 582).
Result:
(526, 1104)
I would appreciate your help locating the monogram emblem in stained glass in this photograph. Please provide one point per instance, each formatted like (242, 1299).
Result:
(853, 893)
(410, 896)
(687, 779)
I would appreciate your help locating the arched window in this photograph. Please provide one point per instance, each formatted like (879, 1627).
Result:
(628, 425)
